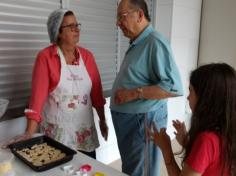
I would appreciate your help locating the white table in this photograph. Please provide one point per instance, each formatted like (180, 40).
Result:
(79, 159)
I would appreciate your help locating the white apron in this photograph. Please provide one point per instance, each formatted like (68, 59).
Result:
(68, 115)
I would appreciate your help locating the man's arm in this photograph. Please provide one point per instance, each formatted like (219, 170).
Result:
(146, 92)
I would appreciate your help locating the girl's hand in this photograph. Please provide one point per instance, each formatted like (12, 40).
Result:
(181, 131)
(161, 138)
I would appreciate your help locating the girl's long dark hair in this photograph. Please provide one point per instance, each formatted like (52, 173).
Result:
(215, 111)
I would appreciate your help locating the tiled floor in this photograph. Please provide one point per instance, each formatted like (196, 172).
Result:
(176, 148)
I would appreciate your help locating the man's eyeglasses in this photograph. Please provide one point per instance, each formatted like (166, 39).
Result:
(73, 27)
(123, 15)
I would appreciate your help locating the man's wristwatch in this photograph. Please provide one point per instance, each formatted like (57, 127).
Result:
(140, 92)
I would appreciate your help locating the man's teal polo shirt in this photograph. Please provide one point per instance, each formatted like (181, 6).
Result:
(148, 61)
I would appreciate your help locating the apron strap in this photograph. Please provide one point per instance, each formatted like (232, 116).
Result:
(61, 56)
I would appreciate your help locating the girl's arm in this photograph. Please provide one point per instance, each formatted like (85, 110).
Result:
(162, 140)
(188, 171)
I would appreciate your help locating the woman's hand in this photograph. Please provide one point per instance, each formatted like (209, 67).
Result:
(15, 139)
(104, 129)
(32, 127)
(181, 131)
(102, 122)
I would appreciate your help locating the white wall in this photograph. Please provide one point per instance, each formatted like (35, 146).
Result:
(218, 32)
(163, 17)
(179, 21)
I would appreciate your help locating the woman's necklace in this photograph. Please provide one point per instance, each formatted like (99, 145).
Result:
(73, 71)
(71, 60)
(70, 55)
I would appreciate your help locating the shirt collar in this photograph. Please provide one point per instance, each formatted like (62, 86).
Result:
(55, 53)
(142, 35)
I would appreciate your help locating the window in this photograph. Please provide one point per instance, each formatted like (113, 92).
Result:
(99, 34)
(23, 33)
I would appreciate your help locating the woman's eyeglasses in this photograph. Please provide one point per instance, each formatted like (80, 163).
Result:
(73, 27)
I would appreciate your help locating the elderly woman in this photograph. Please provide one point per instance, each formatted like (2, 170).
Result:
(66, 85)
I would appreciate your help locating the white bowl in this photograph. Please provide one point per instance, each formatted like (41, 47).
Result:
(3, 106)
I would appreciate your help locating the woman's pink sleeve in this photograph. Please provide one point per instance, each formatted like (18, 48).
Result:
(40, 88)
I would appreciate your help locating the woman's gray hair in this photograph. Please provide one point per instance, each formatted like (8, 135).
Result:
(54, 23)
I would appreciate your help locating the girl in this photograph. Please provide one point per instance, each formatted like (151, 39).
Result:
(210, 144)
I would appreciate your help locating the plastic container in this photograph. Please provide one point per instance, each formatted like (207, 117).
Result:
(99, 174)
(6, 159)
(85, 169)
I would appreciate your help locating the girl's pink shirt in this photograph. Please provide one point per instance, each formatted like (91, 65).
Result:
(46, 75)
(205, 156)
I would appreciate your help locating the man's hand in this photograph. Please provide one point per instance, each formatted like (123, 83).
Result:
(125, 95)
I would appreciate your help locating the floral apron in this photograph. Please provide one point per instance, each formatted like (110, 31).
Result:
(68, 115)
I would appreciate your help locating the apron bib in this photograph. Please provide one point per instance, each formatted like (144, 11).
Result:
(68, 115)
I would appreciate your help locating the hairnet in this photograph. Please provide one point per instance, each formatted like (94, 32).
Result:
(54, 23)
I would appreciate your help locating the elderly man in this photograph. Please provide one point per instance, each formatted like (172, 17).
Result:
(147, 77)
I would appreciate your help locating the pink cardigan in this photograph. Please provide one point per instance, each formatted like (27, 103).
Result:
(46, 75)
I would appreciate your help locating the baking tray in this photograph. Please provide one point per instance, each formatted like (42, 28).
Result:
(39, 140)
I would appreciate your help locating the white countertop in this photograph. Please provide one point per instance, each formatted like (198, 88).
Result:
(21, 169)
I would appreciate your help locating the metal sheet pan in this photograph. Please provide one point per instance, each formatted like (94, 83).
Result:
(39, 140)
